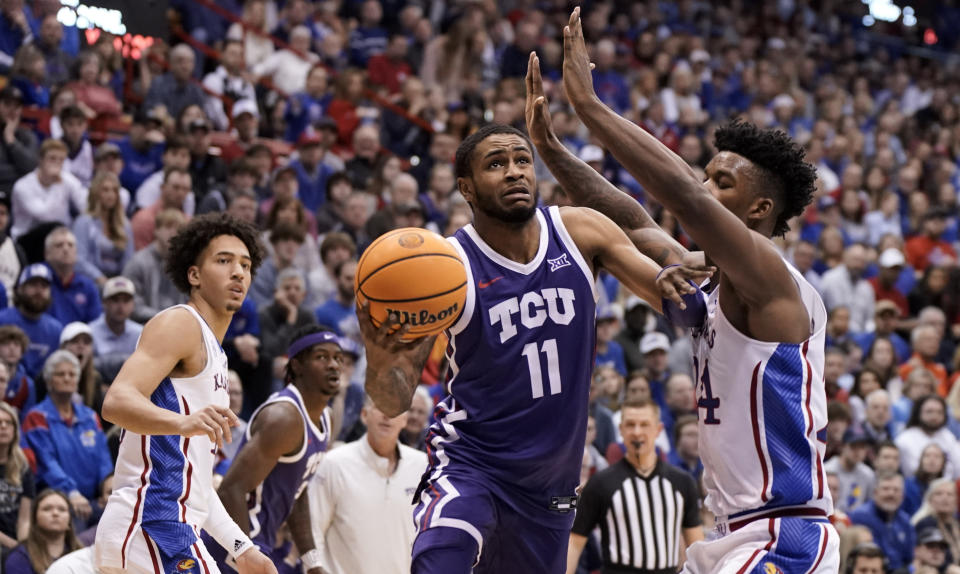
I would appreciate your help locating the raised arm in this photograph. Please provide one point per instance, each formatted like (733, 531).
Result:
(745, 257)
(393, 366)
(168, 340)
(585, 186)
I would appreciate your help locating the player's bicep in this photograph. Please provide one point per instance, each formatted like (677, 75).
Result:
(276, 431)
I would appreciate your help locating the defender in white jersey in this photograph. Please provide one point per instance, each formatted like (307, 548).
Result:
(759, 349)
(171, 399)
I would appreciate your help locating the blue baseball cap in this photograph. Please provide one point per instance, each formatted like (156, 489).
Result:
(35, 271)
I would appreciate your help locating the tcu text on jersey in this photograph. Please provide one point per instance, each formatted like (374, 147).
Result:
(534, 308)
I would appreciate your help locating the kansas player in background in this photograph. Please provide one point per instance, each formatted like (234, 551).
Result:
(266, 484)
(759, 349)
(172, 401)
(506, 449)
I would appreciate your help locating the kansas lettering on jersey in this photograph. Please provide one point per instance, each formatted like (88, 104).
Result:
(270, 504)
(162, 484)
(521, 357)
(762, 414)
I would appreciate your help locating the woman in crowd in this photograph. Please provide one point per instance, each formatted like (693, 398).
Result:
(290, 210)
(51, 536)
(932, 464)
(17, 487)
(29, 73)
(104, 236)
(77, 338)
(94, 98)
(864, 382)
(940, 510)
(931, 291)
(882, 358)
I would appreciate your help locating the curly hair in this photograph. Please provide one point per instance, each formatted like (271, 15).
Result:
(786, 176)
(187, 245)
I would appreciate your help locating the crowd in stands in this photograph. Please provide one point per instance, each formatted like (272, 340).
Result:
(327, 123)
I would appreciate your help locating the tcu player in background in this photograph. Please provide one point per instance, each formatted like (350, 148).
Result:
(506, 449)
(759, 349)
(286, 438)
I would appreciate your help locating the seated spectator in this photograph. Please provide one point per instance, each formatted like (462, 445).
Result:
(686, 442)
(236, 405)
(77, 338)
(11, 255)
(308, 108)
(882, 358)
(256, 46)
(366, 148)
(930, 554)
(928, 247)
(331, 214)
(289, 211)
(418, 418)
(933, 462)
(227, 80)
(141, 151)
(18, 145)
(51, 535)
(358, 208)
(48, 193)
(866, 558)
(57, 62)
(311, 172)
(886, 314)
(29, 75)
(856, 478)
(92, 96)
(16, 481)
(335, 248)
(287, 68)
(79, 162)
(936, 318)
(206, 168)
(401, 191)
(878, 417)
(918, 384)
(176, 187)
(884, 284)
(176, 154)
(388, 70)
(368, 39)
(838, 327)
(436, 198)
(153, 290)
(839, 420)
(75, 297)
(176, 89)
(845, 286)
(930, 291)
(104, 234)
(65, 439)
(925, 340)
(285, 314)
(340, 312)
(240, 179)
(609, 352)
(939, 510)
(20, 391)
(115, 335)
(31, 302)
(889, 525)
(864, 382)
(836, 379)
(286, 240)
(928, 424)
(107, 157)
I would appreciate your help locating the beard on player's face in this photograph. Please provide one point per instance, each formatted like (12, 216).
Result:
(488, 205)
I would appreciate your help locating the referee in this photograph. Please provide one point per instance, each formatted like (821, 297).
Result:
(647, 510)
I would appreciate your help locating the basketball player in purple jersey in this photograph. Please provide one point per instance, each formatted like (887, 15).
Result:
(172, 401)
(505, 452)
(760, 340)
(284, 443)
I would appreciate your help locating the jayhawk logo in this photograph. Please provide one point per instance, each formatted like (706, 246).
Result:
(770, 568)
(186, 565)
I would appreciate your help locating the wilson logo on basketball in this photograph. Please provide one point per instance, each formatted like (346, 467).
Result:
(410, 240)
(185, 565)
(423, 317)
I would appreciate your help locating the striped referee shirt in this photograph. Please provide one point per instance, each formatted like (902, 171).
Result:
(641, 519)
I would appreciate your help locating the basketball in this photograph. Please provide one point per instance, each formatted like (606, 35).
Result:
(416, 274)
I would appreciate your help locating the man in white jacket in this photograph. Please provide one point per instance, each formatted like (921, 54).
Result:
(48, 193)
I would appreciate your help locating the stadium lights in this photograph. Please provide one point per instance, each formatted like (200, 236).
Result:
(83, 16)
(887, 11)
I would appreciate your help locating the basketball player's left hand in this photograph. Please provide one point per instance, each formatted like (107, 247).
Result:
(255, 562)
(577, 79)
(675, 282)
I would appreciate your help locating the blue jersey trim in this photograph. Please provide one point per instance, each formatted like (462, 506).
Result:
(785, 427)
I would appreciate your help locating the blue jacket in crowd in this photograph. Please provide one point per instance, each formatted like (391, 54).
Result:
(894, 535)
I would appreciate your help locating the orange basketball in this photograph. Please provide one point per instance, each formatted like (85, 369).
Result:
(416, 274)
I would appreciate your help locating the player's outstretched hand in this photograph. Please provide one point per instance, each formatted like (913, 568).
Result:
(213, 421)
(386, 344)
(577, 80)
(254, 562)
(539, 125)
(675, 281)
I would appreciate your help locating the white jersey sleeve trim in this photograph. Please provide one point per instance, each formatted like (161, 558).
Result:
(574, 250)
(470, 302)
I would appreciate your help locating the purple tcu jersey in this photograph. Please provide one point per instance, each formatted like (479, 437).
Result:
(270, 504)
(521, 357)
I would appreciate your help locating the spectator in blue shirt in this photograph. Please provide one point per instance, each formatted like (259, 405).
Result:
(305, 109)
(368, 39)
(20, 391)
(609, 352)
(115, 335)
(14, 30)
(142, 157)
(31, 302)
(685, 453)
(340, 313)
(610, 84)
(75, 296)
(65, 440)
(311, 172)
(889, 525)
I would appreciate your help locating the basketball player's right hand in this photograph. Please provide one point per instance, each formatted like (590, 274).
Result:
(213, 421)
(539, 125)
(255, 562)
(384, 345)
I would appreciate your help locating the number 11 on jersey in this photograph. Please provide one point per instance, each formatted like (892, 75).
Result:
(532, 353)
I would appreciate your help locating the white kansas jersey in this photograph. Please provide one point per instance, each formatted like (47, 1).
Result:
(163, 484)
(762, 414)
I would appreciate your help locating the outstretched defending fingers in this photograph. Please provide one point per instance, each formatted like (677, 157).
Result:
(577, 79)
